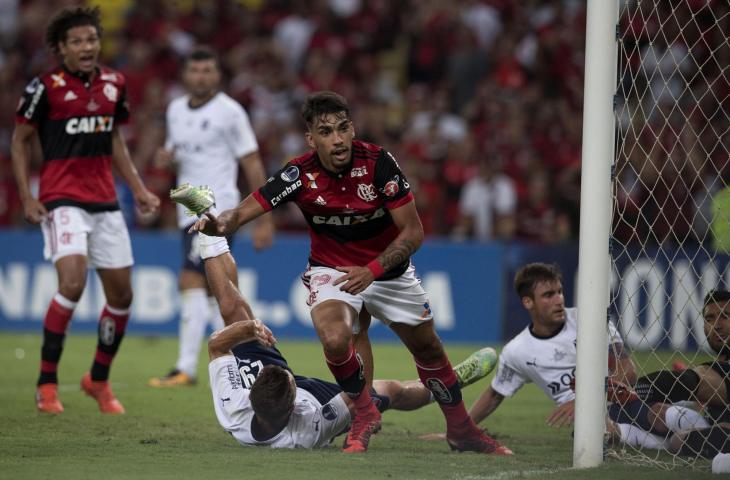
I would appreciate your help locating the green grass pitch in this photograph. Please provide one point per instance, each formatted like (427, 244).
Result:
(173, 434)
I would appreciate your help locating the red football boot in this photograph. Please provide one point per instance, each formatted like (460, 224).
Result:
(102, 393)
(46, 398)
(363, 426)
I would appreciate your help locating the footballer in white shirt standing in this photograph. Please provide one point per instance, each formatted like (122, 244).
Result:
(208, 136)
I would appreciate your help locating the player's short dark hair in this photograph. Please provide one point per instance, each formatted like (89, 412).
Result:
(272, 396)
(527, 277)
(715, 296)
(319, 104)
(202, 53)
(69, 18)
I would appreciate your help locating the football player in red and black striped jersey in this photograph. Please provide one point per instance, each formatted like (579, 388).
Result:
(364, 227)
(75, 109)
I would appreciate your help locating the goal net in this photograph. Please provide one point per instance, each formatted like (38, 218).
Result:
(671, 206)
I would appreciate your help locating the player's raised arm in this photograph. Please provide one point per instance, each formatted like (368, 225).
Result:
(228, 221)
(253, 167)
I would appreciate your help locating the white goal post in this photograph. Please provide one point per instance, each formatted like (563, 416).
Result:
(595, 223)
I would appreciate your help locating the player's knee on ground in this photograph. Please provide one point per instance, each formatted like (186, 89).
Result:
(657, 413)
(674, 445)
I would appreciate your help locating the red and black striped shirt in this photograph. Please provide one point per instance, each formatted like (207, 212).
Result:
(75, 116)
(348, 212)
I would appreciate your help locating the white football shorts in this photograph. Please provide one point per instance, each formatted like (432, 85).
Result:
(102, 237)
(400, 300)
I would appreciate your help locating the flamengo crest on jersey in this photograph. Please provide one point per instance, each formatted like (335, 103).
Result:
(547, 362)
(207, 142)
(348, 213)
(75, 119)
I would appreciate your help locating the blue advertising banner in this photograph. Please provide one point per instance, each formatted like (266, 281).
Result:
(658, 294)
(464, 282)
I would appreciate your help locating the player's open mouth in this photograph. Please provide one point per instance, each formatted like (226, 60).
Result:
(341, 155)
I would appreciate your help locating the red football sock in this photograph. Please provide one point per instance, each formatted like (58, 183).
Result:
(348, 372)
(112, 324)
(440, 378)
(55, 324)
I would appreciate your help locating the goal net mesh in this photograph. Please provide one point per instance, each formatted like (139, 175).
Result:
(671, 203)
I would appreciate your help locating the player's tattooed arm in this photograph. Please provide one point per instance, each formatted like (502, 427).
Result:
(408, 241)
(357, 279)
(397, 252)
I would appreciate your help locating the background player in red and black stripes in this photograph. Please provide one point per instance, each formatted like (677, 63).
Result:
(76, 109)
(364, 228)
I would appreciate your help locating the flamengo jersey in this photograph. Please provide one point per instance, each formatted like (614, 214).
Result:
(348, 213)
(208, 141)
(311, 425)
(547, 362)
(75, 118)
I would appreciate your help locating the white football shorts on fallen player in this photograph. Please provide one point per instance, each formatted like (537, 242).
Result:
(102, 237)
(400, 300)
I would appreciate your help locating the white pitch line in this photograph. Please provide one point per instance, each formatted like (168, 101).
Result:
(515, 474)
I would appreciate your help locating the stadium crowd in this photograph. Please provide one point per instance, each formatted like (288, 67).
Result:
(479, 100)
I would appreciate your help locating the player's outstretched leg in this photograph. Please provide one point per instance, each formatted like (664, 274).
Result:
(196, 199)
(476, 366)
(436, 373)
(220, 267)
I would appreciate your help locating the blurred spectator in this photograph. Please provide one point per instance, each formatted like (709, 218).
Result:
(446, 84)
(537, 218)
(487, 205)
(11, 210)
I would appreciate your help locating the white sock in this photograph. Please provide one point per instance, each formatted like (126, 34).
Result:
(636, 437)
(682, 418)
(194, 314)
(216, 319)
(212, 246)
(721, 463)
